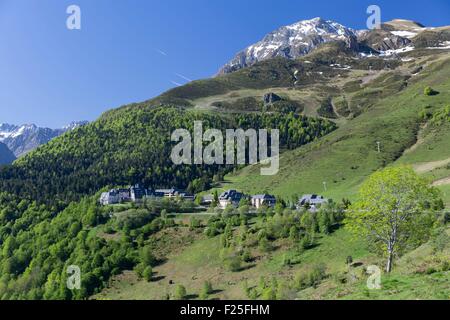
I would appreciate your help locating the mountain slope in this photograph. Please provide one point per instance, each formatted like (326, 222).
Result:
(347, 156)
(6, 156)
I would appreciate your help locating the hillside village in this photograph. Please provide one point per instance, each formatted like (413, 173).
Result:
(137, 193)
(362, 115)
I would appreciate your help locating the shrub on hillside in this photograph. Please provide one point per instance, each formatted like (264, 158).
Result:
(148, 273)
(430, 91)
(233, 263)
(180, 292)
(206, 290)
(311, 278)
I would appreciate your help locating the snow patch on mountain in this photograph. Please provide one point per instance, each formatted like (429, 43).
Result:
(405, 34)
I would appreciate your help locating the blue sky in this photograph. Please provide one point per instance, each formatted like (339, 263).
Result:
(132, 50)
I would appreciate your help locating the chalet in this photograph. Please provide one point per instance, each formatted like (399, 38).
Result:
(311, 200)
(260, 200)
(186, 196)
(230, 197)
(124, 194)
(137, 193)
(174, 193)
(110, 197)
(167, 193)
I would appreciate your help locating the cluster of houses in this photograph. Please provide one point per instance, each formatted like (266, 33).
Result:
(227, 198)
(233, 198)
(137, 193)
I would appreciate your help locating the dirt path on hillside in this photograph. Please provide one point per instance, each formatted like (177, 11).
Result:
(441, 182)
(429, 166)
(420, 140)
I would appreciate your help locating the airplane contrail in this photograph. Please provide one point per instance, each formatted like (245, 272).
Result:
(183, 77)
(161, 52)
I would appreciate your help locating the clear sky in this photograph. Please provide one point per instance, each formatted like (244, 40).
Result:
(132, 50)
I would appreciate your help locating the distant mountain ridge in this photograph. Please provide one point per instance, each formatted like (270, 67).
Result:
(25, 138)
(299, 39)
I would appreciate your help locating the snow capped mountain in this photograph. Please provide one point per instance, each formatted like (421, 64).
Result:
(74, 124)
(301, 38)
(25, 138)
(293, 41)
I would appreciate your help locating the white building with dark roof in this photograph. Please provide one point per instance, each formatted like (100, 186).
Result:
(230, 197)
(110, 197)
(312, 200)
(266, 200)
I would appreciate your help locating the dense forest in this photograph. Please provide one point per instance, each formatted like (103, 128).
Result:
(134, 146)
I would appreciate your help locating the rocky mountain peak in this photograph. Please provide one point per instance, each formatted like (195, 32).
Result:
(292, 41)
(299, 39)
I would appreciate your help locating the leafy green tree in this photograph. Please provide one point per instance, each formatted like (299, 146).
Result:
(215, 201)
(392, 211)
(147, 257)
(265, 245)
(244, 202)
(293, 233)
(206, 290)
(148, 273)
(180, 292)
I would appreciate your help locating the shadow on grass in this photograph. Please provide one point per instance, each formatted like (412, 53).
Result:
(216, 291)
(158, 278)
(247, 267)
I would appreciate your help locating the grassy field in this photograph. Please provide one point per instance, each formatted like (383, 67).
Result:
(201, 261)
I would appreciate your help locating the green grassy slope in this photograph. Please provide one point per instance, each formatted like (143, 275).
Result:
(201, 261)
(421, 274)
(346, 157)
